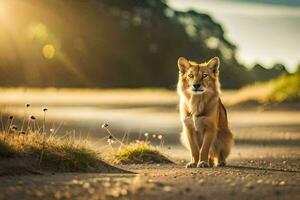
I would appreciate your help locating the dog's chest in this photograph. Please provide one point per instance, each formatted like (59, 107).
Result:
(196, 106)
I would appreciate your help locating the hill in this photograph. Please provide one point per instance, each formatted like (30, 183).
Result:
(109, 43)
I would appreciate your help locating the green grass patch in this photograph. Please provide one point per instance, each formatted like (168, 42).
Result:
(284, 89)
(139, 152)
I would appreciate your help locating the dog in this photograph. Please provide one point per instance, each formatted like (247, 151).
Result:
(204, 118)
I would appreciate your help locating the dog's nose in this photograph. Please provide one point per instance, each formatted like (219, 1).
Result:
(196, 86)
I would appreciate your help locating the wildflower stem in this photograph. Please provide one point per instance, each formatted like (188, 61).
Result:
(34, 126)
(108, 131)
(24, 118)
(37, 125)
(44, 123)
(161, 143)
(2, 125)
(10, 120)
(28, 126)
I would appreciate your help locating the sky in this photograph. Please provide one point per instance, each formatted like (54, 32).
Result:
(265, 31)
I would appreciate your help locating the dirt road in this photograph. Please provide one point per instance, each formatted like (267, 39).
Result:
(264, 164)
(263, 173)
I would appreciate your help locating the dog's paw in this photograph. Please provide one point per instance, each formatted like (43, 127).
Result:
(191, 165)
(203, 164)
(211, 162)
(222, 164)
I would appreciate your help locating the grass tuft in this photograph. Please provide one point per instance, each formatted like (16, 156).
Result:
(51, 153)
(138, 152)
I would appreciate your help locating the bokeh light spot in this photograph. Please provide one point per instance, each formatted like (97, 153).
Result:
(48, 51)
(38, 31)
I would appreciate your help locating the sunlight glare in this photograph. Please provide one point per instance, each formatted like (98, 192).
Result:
(48, 51)
(37, 31)
(3, 11)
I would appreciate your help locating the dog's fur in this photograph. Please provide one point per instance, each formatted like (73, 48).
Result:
(203, 116)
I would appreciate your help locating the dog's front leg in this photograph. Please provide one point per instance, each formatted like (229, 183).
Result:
(207, 134)
(196, 122)
(204, 151)
(208, 138)
(191, 135)
(194, 148)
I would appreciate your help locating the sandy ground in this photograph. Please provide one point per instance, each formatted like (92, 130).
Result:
(270, 177)
(262, 171)
(264, 164)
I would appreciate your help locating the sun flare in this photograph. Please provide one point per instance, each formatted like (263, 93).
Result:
(48, 51)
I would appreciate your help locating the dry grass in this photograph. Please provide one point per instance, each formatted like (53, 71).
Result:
(50, 153)
(29, 151)
(36, 149)
(139, 152)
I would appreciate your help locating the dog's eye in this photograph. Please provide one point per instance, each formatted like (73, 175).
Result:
(191, 75)
(205, 75)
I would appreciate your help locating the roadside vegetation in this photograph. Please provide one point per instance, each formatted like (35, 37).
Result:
(41, 152)
(137, 152)
(30, 148)
(284, 89)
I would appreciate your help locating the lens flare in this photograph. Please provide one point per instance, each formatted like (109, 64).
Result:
(48, 51)
(37, 31)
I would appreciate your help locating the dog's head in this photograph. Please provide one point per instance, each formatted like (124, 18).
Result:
(197, 79)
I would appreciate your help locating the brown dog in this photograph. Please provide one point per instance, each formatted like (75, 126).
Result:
(203, 116)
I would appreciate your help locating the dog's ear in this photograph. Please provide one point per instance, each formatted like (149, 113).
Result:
(214, 64)
(183, 64)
